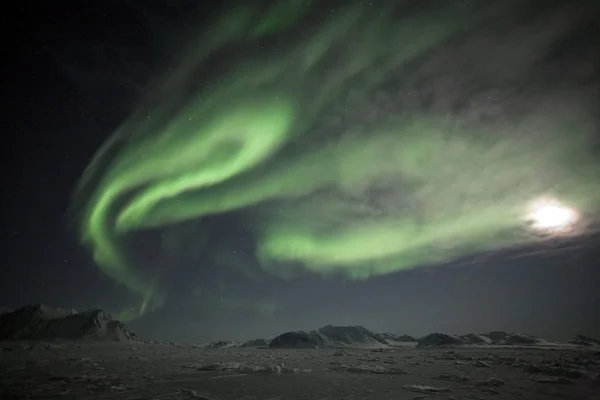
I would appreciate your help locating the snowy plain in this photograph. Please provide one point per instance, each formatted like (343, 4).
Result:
(80, 370)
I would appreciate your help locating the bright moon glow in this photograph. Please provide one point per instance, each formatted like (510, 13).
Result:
(551, 215)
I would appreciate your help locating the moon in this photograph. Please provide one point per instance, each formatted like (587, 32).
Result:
(550, 215)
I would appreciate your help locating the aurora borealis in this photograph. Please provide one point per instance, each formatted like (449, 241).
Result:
(300, 120)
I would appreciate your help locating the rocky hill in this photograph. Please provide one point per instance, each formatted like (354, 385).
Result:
(256, 343)
(330, 336)
(40, 322)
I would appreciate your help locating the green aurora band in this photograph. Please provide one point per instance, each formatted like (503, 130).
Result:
(255, 139)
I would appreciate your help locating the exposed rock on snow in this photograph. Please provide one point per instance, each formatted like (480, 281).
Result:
(496, 336)
(330, 336)
(298, 339)
(357, 336)
(517, 338)
(39, 322)
(256, 343)
(395, 338)
(351, 336)
(440, 339)
(388, 336)
(222, 344)
(581, 340)
(405, 338)
(473, 338)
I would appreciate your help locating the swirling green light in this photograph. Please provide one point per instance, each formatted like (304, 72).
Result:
(254, 140)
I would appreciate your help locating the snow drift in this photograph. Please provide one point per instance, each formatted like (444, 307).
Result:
(39, 322)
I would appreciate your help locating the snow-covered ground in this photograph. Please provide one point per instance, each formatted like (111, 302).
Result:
(73, 370)
(106, 361)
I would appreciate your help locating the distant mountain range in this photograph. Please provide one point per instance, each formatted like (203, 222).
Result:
(40, 322)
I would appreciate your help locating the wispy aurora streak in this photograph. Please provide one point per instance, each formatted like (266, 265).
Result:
(256, 137)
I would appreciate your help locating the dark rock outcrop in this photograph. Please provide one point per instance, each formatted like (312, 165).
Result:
(514, 339)
(330, 336)
(405, 338)
(473, 338)
(350, 336)
(256, 343)
(520, 339)
(296, 340)
(496, 336)
(388, 336)
(222, 344)
(39, 322)
(397, 338)
(439, 339)
(581, 340)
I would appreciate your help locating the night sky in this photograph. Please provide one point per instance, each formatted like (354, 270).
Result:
(238, 171)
